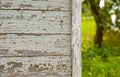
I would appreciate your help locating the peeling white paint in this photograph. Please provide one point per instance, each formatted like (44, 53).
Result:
(40, 61)
(36, 4)
(35, 38)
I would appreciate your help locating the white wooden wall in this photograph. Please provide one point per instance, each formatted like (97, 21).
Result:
(35, 38)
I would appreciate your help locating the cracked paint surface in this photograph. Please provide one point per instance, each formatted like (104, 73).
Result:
(35, 38)
(42, 65)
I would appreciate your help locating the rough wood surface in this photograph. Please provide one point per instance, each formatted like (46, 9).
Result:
(36, 4)
(43, 66)
(23, 21)
(35, 38)
(34, 45)
(76, 39)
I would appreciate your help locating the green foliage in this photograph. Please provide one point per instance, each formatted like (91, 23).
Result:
(111, 7)
(105, 61)
(86, 9)
(99, 62)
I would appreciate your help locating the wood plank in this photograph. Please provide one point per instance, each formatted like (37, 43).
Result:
(34, 45)
(43, 66)
(22, 21)
(36, 4)
(76, 38)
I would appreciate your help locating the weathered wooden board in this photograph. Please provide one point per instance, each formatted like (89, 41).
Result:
(43, 66)
(34, 45)
(40, 38)
(76, 38)
(23, 21)
(36, 4)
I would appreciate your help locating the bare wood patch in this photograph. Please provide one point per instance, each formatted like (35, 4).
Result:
(13, 21)
(52, 66)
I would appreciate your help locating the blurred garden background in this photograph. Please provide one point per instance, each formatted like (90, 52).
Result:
(101, 38)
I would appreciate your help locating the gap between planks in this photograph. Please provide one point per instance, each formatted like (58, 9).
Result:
(38, 10)
(37, 34)
(39, 56)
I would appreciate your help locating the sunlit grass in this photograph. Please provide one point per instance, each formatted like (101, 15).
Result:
(88, 30)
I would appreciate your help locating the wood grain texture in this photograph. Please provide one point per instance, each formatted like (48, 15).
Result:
(76, 39)
(43, 66)
(35, 38)
(23, 21)
(36, 4)
(34, 45)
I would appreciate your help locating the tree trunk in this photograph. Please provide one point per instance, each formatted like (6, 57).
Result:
(99, 30)
(98, 37)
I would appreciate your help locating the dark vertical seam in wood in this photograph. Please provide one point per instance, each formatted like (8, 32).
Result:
(71, 42)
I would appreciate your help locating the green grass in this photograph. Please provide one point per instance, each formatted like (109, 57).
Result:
(99, 62)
